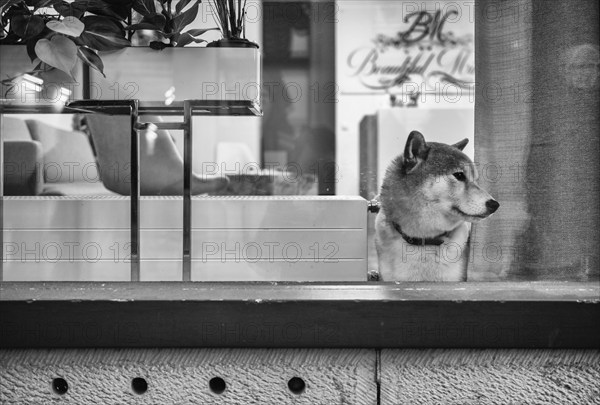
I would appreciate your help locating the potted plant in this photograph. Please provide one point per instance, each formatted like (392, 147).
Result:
(230, 15)
(168, 23)
(58, 34)
(171, 66)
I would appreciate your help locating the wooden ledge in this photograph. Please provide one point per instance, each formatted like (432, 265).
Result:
(365, 315)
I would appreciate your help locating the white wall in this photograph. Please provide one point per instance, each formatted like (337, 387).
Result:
(357, 100)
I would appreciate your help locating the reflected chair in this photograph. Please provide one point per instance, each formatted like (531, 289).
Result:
(161, 164)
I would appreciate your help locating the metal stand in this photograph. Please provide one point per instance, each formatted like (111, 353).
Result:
(134, 109)
(189, 109)
(110, 107)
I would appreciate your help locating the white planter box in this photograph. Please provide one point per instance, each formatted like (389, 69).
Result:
(233, 239)
(145, 74)
(185, 73)
(14, 61)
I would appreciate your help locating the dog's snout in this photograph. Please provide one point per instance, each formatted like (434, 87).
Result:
(492, 206)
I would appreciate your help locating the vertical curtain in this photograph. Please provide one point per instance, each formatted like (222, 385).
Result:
(537, 139)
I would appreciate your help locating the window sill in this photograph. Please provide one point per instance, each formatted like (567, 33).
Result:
(365, 315)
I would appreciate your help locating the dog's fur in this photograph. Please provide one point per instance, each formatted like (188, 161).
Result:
(424, 196)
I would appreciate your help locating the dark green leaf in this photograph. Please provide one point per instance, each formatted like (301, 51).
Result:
(199, 32)
(27, 26)
(75, 9)
(151, 22)
(232, 18)
(181, 5)
(98, 7)
(159, 46)
(15, 10)
(31, 49)
(122, 8)
(103, 34)
(5, 4)
(187, 17)
(142, 26)
(42, 3)
(91, 58)
(144, 7)
(186, 38)
(165, 5)
(46, 33)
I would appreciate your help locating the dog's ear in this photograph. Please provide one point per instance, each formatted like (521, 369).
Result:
(461, 144)
(415, 151)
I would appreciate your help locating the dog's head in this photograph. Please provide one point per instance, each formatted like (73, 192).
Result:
(438, 182)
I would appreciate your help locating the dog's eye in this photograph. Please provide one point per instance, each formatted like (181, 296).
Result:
(460, 176)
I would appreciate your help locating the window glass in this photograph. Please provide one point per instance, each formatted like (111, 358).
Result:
(330, 141)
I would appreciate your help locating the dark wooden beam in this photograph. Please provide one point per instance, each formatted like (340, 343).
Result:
(368, 315)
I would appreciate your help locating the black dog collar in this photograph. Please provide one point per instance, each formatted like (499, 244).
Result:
(436, 240)
(375, 205)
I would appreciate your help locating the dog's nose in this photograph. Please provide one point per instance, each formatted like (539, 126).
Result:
(492, 206)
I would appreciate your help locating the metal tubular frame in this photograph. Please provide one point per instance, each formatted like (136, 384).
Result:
(1, 198)
(134, 109)
(113, 107)
(187, 191)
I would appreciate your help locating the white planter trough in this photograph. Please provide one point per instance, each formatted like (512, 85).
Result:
(177, 74)
(233, 239)
(46, 89)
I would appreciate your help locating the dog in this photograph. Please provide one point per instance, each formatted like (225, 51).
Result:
(428, 199)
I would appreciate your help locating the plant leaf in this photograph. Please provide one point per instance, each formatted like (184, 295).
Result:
(116, 9)
(36, 4)
(103, 34)
(68, 26)
(27, 26)
(144, 7)
(186, 38)
(6, 4)
(154, 21)
(31, 49)
(198, 32)
(59, 52)
(182, 20)
(14, 8)
(159, 46)
(76, 9)
(142, 26)
(181, 5)
(170, 35)
(91, 58)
